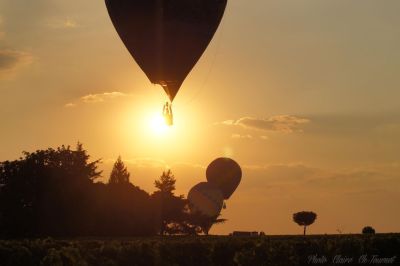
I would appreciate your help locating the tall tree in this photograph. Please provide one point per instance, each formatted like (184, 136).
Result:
(119, 173)
(304, 218)
(169, 208)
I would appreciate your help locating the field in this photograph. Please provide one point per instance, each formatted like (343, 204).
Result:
(380, 249)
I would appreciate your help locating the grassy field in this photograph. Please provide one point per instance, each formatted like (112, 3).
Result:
(380, 249)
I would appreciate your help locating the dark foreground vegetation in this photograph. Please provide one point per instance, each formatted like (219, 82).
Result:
(56, 193)
(206, 250)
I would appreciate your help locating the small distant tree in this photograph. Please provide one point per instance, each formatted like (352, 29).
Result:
(119, 173)
(368, 230)
(304, 218)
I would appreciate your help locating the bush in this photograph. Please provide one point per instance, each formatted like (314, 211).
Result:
(368, 230)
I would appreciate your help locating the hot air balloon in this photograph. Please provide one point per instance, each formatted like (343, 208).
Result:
(166, 37)
(206, 199)
(225, 174)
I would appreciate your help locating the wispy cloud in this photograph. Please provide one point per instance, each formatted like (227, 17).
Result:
(285, 173)
(296, 177)
(248, 137)
(67, 23)
(147, 162)
(101, 97)
(96, 98)
(11, 60)
(239, 136)
(70, 105)
(279, 123)
(143, 162)
(187, 165)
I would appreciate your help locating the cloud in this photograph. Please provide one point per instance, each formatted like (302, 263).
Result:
(96, 98)
(11, 60)
(147, 162)
(279, 123)
(284, 173)
(353, 178)
(305, 180)
(63, 24)
(187, 165)
(70, 105)
(227, 122)
(385, 125)
(144, 162)
(101, 97)
(239, 136)
(68, 24)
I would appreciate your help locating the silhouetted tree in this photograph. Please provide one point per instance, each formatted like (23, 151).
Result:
(368, 230)
(169, 208)
(53, 193)
(45, 192)
(166, 183)
(304, 218)
(127, 210)
(119, 173)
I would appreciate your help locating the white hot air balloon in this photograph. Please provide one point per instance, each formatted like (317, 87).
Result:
(206, 199)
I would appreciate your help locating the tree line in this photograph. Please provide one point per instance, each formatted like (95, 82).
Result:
(56, 192)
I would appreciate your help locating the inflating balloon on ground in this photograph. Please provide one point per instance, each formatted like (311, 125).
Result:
(223, 177)
(206, 199)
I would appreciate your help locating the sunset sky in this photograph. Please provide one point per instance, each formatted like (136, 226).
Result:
(304, 95)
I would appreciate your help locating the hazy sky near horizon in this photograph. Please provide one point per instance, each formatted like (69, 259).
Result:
(303, 94)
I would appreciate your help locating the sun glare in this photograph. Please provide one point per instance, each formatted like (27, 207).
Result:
(157, 125)
(145, 129)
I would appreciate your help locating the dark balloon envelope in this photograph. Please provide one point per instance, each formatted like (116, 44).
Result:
(225, 174)
(166, 37)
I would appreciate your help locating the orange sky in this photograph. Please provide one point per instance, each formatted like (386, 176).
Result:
(303, 94)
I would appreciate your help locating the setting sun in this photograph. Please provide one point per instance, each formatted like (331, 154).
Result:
(157, 125)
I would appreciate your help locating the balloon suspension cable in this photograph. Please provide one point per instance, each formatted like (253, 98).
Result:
(167, 113)
(206, 78)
